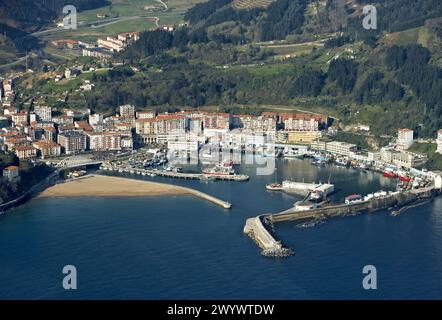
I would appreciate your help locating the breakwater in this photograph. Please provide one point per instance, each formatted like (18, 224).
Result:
(257, 231)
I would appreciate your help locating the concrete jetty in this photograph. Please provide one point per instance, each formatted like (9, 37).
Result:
(255, 229)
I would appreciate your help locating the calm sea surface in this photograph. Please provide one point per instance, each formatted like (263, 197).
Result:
(186, 248)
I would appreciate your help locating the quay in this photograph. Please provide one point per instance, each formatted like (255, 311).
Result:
(255, 229)
(177, 175)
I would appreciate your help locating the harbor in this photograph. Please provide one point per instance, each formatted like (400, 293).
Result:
(396, 202)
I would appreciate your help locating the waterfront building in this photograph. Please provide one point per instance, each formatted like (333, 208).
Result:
(43, 113)
(404, 139)
(187, 142)
(11, 173)
(318, 145)
(401, 158)
(304, 137)
(237, 138)
(340, 148)
(72, 141)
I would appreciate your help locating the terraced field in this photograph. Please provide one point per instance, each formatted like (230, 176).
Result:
(250, 4)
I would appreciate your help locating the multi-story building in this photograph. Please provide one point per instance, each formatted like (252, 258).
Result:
(72, 141)
(303, 122)
(401, 158)
(215, 123)
(20, 118)
(404, 139)
(25, 152)
(47, 148)
(100, 141)
(145, 114)
(127, 110)
(171, 123)
(44, 113)
(63, 120)
(256, 123)
(303, 137)
(111, 44)
(340, 148)
(95, 119)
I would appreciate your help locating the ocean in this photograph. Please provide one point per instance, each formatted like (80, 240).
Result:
(181, 247)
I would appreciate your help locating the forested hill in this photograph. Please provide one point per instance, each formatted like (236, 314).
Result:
(290, 17)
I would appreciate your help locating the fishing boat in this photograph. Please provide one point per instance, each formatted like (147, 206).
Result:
(389, 173)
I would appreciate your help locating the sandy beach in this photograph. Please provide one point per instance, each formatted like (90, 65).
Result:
(102, 186)
(107, 186)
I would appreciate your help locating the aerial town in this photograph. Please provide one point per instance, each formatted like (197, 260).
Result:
(39, 134)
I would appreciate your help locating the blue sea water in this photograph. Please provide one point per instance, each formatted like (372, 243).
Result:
(181, 247)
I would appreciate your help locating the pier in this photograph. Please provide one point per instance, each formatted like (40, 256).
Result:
(177, 175)
(257, 231)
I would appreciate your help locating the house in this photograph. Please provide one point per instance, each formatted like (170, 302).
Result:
(11, 173)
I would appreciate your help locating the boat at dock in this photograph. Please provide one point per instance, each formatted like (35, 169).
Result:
(389, 173)
(302, 188)
(224, 168)
(274, 187)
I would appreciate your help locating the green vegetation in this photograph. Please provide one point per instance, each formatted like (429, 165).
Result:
(434, 159)
(30, 175)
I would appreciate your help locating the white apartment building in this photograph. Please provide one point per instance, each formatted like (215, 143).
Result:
(404, 139)
(127, 110)
(95, 119)
(104, 141)
(44, 113)
(239, 137)
(145, 114)
(340, 148)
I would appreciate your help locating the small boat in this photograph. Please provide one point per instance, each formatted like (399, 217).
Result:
(274, 187)
(341, 163)
(319, 163)
(404, 178)
(390, 174)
